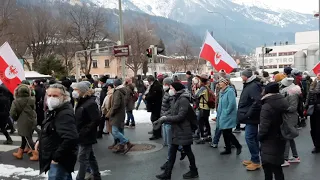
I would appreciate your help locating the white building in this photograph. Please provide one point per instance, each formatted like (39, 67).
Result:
(282, 55)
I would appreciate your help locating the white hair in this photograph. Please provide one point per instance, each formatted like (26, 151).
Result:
(63, 91)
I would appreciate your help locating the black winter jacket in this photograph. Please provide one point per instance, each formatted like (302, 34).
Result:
(103, 93)
(249, 105)
(87, 118)
(272, 143)
(141, 88)
(154, 97)
(59, 139)
(180, 123)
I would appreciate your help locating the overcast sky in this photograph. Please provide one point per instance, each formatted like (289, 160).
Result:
(303, 6)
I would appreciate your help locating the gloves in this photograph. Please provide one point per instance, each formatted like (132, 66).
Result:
(157, 124)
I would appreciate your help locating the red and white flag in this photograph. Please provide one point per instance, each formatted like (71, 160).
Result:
(316, 69)
(11, 70)
(216, 55)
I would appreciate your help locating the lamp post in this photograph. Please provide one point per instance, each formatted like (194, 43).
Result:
(225, 26)
(123, 60)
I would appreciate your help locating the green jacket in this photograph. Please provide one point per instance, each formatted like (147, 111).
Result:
(23, 111)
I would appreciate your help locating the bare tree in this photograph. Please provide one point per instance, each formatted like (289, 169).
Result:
(7, 13)
(174, 65)
(185, 51)
(87, 27)
(138, 34)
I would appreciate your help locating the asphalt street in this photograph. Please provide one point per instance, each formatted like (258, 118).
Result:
(211, 165)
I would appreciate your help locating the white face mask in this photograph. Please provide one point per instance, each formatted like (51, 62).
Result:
(172, 92)
(165, 88)
(99, 85)
(75, 94)
(53, 103)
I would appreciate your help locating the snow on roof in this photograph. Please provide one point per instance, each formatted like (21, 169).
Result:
(34, 74)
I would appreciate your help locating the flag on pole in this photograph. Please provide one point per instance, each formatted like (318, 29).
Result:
(11, 70)
(316, 69)
(216, 55)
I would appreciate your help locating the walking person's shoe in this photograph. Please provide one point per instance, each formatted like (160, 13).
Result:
(294, 160)
(225, 152)
(127, 123)
(27, 150)
(12, 131)
(214, 145)
(253, 166)
(164, 166)
(133, 125)
(246, 162)
(315, 151)
(112, 146)
(285, 163)
(154, 138)
(8, 142)
(193, 173)
(119, 149)
(208, 139)
(128, 147)
(239, 150)
(18, 154)
(166, 175)
(237, 130)
(35, 156)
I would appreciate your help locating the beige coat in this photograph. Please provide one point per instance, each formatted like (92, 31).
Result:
(106, 106)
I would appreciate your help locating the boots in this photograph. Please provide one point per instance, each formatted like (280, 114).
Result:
(164, 166)
(129, 146)
(166, 175)
(35, 156)
(18, 154)
(193, 173)
(120, 149)
(27, 150)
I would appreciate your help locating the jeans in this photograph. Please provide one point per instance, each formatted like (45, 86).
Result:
(87, 160)
(139, 101)
(101, 125)
(130, 117)
(166, 133)
(270, 170)
(118, 133)
(217, 135)
(251, 136)
(290, 144)
(58, 172)
(229, 139)
(173, 153)
(204, 122)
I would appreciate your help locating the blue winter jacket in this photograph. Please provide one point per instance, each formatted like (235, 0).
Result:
(227, 109)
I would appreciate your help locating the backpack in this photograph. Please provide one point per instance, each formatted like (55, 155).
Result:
(4, 105)
(211, 98)
(288, 130)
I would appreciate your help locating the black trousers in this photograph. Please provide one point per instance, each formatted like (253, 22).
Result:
(229, 139)
(27, 141)
(315, 128)
(101, 125)
(271, 169)
(173, 154)
(3, 124)
(155, 116)
(204, 122)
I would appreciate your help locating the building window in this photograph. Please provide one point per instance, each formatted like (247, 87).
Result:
(107, 63)
(94, 64)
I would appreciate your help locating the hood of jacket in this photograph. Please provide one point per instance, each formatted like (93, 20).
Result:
(22, 91)
(252, 78)
(276, 101)
(291, 90)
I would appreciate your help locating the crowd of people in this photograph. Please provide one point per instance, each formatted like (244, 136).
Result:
(70, 117)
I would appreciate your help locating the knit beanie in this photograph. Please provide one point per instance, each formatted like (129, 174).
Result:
(178, 86)
(287, 70)
(224, 80)
(279, 77)
(287, 81)
(247, 73)
(83, 86)
(167, 80)
(272, 87)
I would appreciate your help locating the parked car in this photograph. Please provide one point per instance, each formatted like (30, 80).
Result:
(182, 77)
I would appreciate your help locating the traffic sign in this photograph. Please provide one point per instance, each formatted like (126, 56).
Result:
(121, 51)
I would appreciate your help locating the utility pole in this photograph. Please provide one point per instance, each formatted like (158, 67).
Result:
(263, 58)
(123, 59)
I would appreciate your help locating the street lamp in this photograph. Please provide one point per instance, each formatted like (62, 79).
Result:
(225, 26)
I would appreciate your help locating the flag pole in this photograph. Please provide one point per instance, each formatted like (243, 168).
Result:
(203, 40)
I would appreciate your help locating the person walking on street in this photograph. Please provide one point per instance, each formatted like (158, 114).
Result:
(202, 98)
(4, 113)
(227, 115)
(130, 101)
(270, 137)
(117, 117)
(154, 102)
(180, 120)
(141, 87)
(249, 113)
(87, 119)
(292, 93)
(58, 143)
(23, 112)
(167, 104)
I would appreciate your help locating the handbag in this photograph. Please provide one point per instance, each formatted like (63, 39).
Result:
(310, 110)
